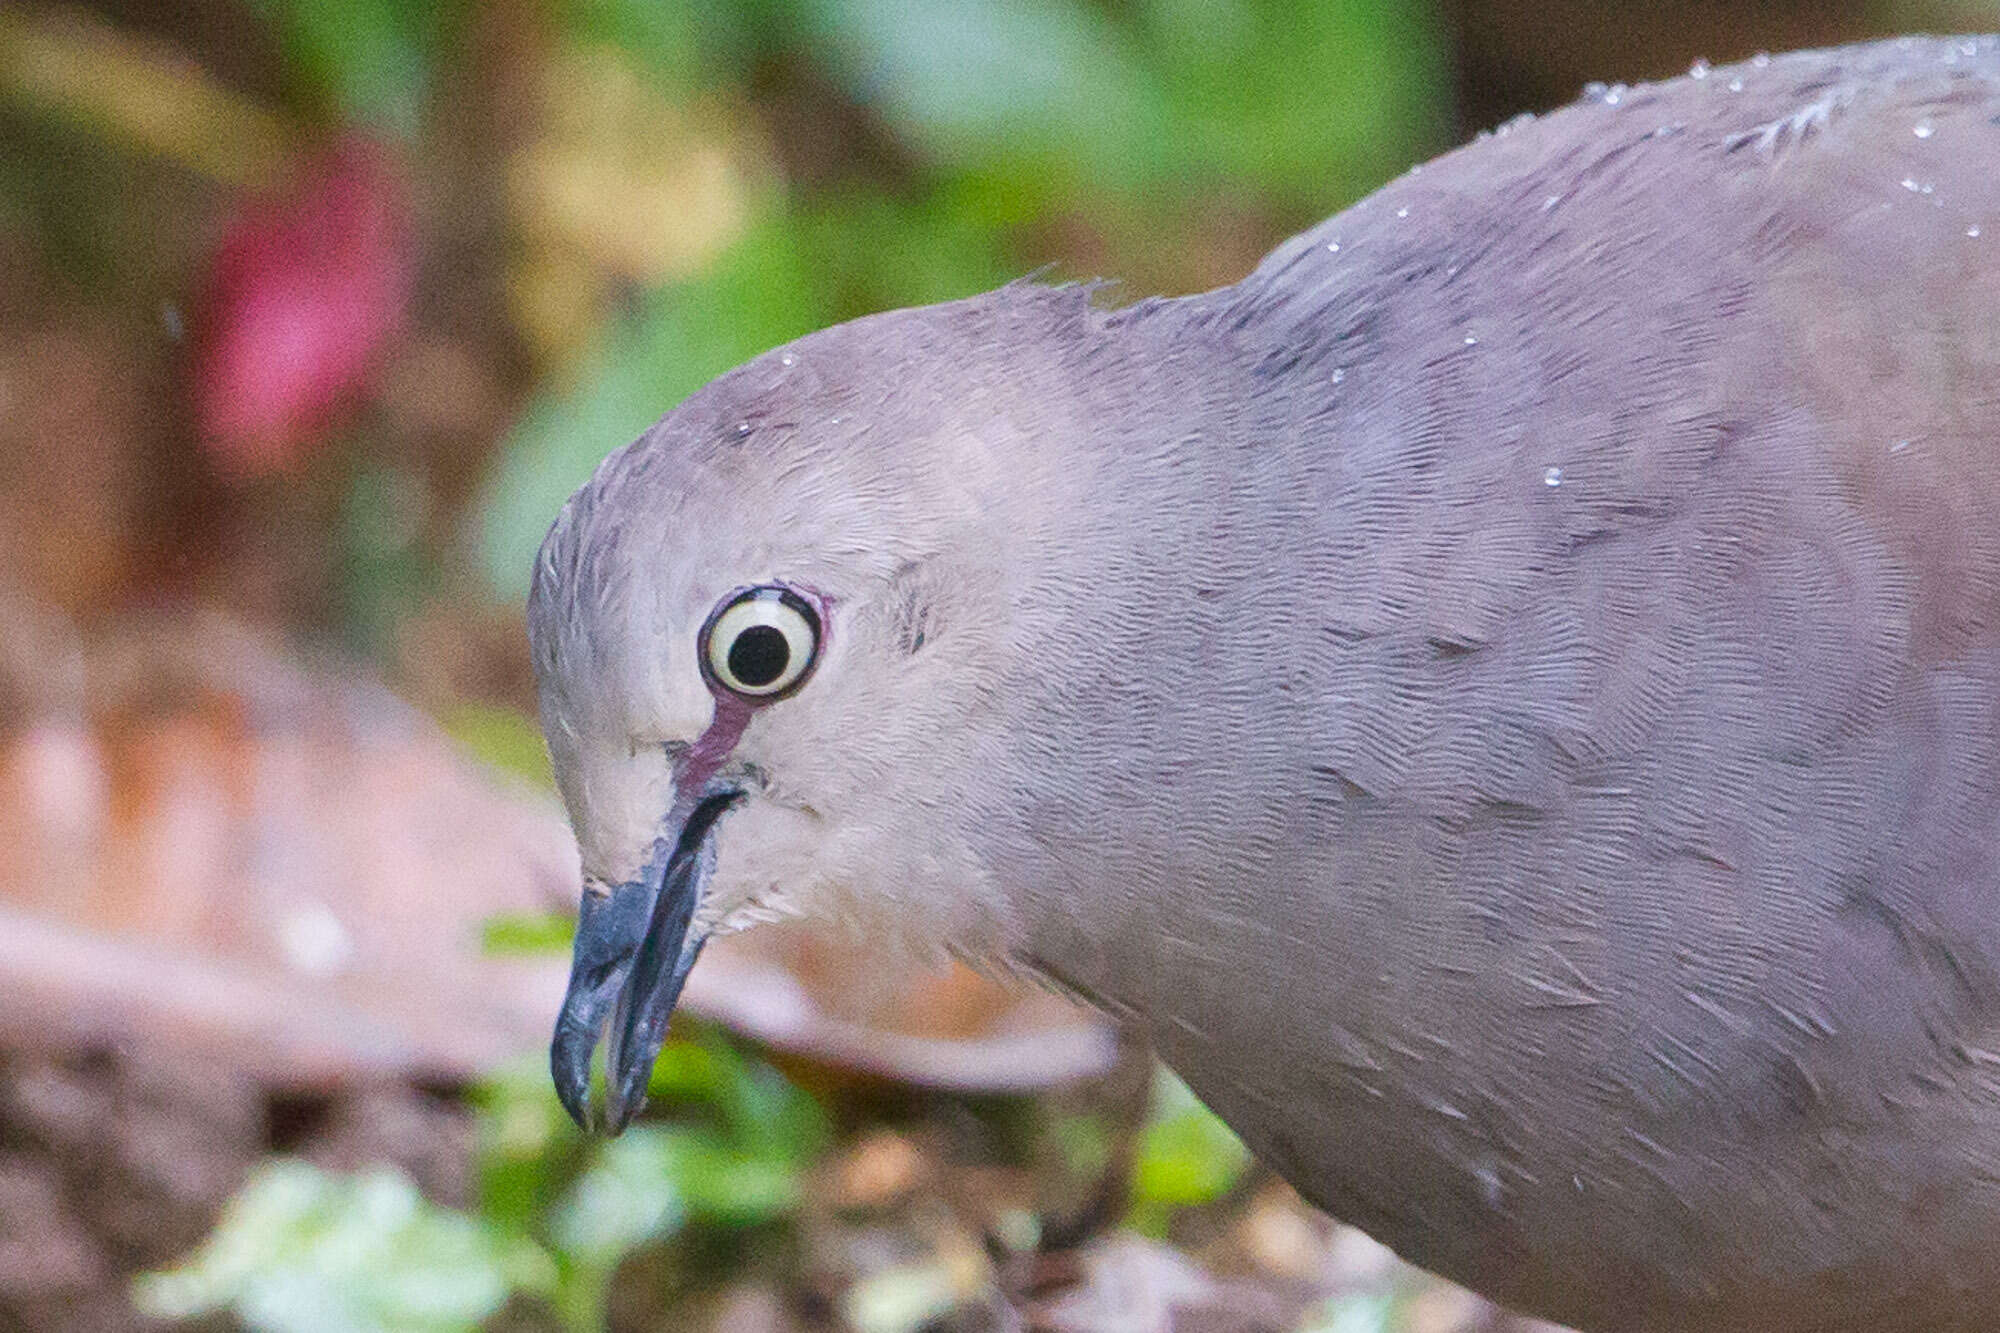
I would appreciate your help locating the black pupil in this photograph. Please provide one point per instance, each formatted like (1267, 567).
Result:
(759, 656)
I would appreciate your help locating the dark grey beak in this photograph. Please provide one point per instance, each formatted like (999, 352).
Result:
(634, 947)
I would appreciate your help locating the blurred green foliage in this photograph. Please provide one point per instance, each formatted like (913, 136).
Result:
(726, 1148)
(1014, 115)
(371, 60)
(502, 739)
(301, 1250)
(731, 1156)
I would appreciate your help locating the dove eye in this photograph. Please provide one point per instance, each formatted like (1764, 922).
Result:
(760, 643)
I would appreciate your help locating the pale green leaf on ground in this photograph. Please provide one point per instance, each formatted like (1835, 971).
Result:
(301, 1250)
(1369, 1312)
(1186, 1156)
(901, 1299)
(626, 1198)
(726, 1184)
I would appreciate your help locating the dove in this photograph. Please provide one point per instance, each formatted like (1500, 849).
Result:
(1505, 697)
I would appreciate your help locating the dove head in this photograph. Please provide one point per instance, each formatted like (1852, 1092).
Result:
(769, 638)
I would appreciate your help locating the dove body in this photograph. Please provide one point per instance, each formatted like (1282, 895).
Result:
(1507, 696)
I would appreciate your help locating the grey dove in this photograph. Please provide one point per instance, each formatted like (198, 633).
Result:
(1506, 697)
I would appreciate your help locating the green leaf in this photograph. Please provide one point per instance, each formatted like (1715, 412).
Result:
(1358, 1313)
(687, 45)
(693, 1072)
(741, 1169)
(1339, 96)
(978, 80)
(1312, 103)
(663, 35)
(300, 1250)
(372, 57)
(508, 934)
(628, 1196)
(502, 738)
(877, 252)
(1186, 1155)
(527, 1143)
(760, 1113)
(723, 1183)
(901, 1299)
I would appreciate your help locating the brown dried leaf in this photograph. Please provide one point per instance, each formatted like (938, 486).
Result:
(287, 865)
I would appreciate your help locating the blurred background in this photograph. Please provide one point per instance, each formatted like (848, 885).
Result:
(311, 313)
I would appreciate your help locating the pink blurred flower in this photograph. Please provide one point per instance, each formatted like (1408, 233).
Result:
(305, 291)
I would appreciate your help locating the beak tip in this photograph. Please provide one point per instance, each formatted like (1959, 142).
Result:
(620, 1110)
(634, 946)
(572, 1080)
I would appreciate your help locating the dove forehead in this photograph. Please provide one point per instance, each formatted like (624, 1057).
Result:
(828, 463)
